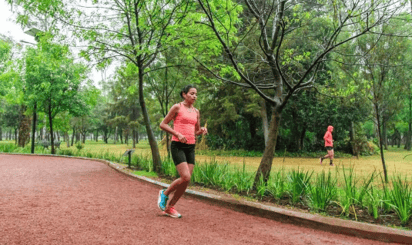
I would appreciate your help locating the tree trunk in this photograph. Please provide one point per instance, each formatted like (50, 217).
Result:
(134, 138)
(105, 136)
(265, 123)
(157, 163)
(115, 135)
(78, 138)
(126, 138)
(267, 158)
(24, 128)
(51, 130)
(409, 134)
(67, 139)
(74, 133)
(1, 134)
(15, 136)
(33, 137)
(302, 138)
(384, 134)
(252, 127)
(381, 143)
(352, 138)
(41, 133)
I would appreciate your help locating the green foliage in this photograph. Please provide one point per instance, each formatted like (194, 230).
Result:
(374, 201)
(278, 183)
(323, 191)
(144, 173)
(299, 184)
(79, 146)
(400, 198)
(243, 180)
(168, 168)
(352, 192)
(53, 80)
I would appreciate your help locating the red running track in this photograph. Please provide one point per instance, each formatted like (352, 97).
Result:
(54, 200)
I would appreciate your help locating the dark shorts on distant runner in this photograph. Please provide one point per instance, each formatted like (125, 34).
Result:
(182, 152)
(328, 148)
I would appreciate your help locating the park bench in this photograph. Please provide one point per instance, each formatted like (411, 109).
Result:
(46, 144)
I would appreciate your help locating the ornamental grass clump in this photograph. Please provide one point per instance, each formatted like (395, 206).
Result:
(322, 192)
(348, 193)
(364, 189)
(243, 180)
(374, 201)
(168, 168)
(352, 192)
(299, 183)
(278, 184)
(261, 188)
(400, 198)
(146, 163)
(210, 174)
(8, 148)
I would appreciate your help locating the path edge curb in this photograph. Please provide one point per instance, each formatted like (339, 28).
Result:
(314, 221)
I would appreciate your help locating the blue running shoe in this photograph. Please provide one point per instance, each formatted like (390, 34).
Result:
(162, 200)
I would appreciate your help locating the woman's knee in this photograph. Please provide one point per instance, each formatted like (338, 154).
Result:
(185, 178)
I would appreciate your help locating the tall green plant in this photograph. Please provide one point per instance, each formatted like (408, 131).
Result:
(278, 183)
(400, 198)
(323, 191)
(299, 184)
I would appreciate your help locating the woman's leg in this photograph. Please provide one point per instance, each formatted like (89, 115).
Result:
(179, 185)
(331, 154)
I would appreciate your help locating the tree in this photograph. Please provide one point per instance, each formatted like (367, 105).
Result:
(275, 23)
(5, 55)
(382, 70)
(54, 82)
(125, 100)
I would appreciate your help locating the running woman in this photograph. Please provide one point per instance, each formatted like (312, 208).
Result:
(186, 126)
(328, 145)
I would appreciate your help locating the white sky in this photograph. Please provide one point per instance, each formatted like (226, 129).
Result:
(9, 28)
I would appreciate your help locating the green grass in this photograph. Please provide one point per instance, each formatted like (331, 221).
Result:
(146, 174)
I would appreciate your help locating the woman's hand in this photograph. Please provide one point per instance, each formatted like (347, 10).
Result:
(181, 138)
(203, 130)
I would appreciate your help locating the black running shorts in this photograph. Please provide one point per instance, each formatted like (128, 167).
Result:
(182, 152)
(328, 148)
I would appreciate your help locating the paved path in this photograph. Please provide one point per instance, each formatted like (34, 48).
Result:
(51, 200)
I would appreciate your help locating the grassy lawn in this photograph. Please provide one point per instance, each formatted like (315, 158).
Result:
(100, 147)
(397, 159)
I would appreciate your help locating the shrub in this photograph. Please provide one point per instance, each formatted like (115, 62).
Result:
(323, 191)
(79, 146)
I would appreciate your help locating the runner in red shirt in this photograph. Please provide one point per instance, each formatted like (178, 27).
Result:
(328, 145)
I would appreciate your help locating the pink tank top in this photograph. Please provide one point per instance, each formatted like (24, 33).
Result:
(185, 123)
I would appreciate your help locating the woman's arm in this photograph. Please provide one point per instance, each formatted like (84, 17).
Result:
(199, 130)
(164, 125)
